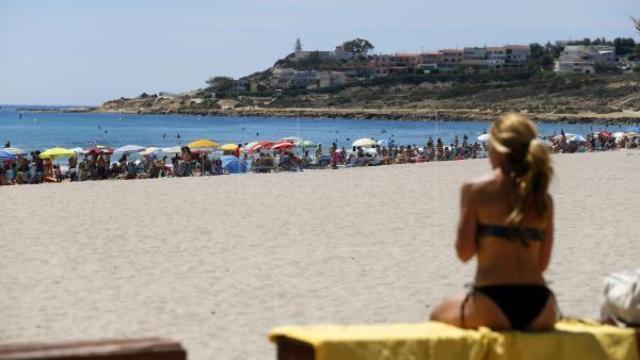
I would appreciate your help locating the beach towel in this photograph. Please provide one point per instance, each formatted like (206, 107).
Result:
(571, 339)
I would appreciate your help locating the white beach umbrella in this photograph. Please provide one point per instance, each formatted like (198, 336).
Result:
(129, 149)
(150, 150)
(484, 137)
(172, 150)
(78, 150)
(364, 142)
(14, 151)
(576, 138)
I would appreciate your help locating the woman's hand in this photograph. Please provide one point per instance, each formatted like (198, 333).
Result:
(466, 241)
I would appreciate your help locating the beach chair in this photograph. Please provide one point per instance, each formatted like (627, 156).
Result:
(571, 340)
(129, 349)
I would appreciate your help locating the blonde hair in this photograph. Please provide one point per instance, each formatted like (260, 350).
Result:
(528, 164)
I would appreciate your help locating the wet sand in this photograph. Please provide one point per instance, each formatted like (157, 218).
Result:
(217, 262)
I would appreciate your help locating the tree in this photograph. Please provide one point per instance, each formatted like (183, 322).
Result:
(624, 46)
(298, 45)
(636, 23)
(358, 46)
(220, 83)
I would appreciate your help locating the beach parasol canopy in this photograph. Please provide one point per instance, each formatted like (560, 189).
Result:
(232, 164)
(575, 138)
(484, 137)
(14, 151)
(172, 150)
(283, 145)
(57, 152)
(603, 134)
(78, 150)
(203, 143)
(307, 144)
(364, 142)
(633, 129)
(292, 139)
(229, 147)
(5, 155)
(99, 149)
(129, 149)
(150, 150)
(264, 144)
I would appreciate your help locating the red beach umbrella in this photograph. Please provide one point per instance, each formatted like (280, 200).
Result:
(283, 146)
(264, 144)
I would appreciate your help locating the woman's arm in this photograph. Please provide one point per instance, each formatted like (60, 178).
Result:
(466, 242)
(547, 244)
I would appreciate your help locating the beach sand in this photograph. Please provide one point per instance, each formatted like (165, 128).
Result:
(217, 262)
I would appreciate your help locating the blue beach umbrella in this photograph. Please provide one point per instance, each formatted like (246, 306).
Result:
(5, 155)
(232, 164)
(634, 129)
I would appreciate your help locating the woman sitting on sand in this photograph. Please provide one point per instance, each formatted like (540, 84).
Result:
(506, 221)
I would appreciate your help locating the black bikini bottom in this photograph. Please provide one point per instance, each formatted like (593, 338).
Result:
(520, 303)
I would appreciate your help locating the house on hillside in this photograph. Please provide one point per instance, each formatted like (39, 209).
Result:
(450, 60)
(583, 59)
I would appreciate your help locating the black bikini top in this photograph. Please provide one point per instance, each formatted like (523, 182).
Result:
(511, 233)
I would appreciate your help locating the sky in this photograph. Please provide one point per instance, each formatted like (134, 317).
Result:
(66, 52)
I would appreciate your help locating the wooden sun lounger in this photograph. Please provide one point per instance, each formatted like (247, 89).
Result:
(129, 349)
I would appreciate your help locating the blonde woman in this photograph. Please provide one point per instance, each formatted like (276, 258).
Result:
(506, 221)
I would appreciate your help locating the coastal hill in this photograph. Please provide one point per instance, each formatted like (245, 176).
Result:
(348, 82)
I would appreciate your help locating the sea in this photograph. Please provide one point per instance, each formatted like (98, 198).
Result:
(42, 130)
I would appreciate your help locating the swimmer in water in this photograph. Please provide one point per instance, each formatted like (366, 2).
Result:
(164, 136)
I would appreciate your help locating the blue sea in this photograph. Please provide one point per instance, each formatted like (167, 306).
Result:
(39, 131)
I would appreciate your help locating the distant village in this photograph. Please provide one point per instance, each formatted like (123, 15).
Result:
(342, 66)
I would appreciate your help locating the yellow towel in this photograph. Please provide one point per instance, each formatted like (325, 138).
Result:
(575, 340)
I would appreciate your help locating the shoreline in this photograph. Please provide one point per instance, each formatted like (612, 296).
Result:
(623, 118)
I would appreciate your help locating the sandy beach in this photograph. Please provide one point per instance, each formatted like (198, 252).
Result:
(216, 262)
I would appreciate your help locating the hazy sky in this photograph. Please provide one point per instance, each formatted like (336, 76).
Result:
(86, 52)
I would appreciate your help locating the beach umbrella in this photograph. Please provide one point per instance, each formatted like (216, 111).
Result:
(383, 142)
(283, 146)
(364, 142)
(56, 152)
(264, 144)
(203, 143)
(129, 149)
(229, 147)
(633, 129)
(5, 155)
(603, 134)
(307, 144)
(292, 139)
(99, 149)
(150, 150)
(78, 150)
(172, 150)
(232, 164)
(576, 138)
(14, 151)
(484, 137)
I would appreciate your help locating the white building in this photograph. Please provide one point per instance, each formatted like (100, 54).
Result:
(583, 59)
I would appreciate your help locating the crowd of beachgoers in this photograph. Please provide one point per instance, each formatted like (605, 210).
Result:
(206, 157)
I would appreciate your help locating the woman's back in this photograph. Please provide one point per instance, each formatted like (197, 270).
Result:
(500, 259)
